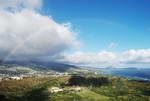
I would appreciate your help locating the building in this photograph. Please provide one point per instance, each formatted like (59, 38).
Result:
(55, 90)
(16, 78)
(75, 89)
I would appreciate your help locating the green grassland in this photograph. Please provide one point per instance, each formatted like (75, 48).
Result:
(94, 88)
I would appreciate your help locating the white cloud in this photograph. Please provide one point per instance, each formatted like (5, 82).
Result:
(103, 58)
(25, 34)
(128, 58)
(29, 35)
(141, 56)
(20, 4)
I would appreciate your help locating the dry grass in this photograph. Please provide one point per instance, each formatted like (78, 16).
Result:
(64, 79)
(21, 85)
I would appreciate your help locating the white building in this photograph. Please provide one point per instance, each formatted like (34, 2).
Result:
(75, 89)
(16, 78)
(55, 90)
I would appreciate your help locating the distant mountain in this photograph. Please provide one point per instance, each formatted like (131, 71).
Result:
(60, 67)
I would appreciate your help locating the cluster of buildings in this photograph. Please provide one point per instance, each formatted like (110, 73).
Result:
(37, 74)
(11, 78)
(57, 89)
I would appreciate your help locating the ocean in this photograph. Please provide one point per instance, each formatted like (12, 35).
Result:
(134, 73)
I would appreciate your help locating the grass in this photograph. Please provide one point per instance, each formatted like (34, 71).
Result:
(87, 94)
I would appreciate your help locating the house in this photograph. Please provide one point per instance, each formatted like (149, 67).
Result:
(55, 90)
(75, 89)
(16, 78)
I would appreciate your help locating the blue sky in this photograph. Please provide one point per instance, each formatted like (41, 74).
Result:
(102, 22)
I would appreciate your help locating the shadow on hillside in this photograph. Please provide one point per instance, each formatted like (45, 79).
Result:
(39, 94)
(3, 98)
(87, 81)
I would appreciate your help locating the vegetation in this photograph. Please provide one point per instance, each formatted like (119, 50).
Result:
(87, 81)
(94, 88)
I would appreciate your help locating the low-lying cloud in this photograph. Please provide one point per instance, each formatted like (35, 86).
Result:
(128, 58)
(141, 56)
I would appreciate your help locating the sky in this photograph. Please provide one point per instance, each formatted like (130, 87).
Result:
(97, 33)
(102, 22)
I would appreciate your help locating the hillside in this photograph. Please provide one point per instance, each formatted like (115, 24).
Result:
(75, 88)
(41, 65)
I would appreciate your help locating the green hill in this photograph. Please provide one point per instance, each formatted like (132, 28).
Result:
(92, 88)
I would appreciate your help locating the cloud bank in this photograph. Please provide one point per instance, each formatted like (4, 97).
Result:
(28, 35)
(141, 56)
(138, 58)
